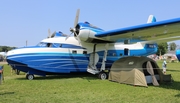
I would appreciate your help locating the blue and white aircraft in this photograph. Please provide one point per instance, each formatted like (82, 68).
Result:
(91, 48)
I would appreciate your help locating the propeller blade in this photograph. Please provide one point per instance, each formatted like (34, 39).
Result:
(53, 34)
(77, 18)
(73, 30)
(75, 34)
(68, 36)
(49, 33)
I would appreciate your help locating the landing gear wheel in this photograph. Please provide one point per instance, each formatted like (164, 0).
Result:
(102, 75)
(30, 76)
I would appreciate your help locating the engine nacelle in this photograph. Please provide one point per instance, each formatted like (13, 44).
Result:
(86, 35)
(86, 32)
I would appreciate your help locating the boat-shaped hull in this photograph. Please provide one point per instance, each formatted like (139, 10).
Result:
(42, 63)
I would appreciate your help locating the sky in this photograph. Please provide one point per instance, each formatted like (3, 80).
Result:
(29, 20)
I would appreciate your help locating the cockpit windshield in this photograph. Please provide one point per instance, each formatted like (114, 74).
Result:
(45, 44)
(42, 44)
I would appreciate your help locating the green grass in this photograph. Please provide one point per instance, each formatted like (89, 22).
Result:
(85, 88)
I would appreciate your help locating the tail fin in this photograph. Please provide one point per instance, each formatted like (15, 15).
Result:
(151, 19)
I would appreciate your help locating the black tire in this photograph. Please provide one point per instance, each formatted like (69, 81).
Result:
(102, 75)
(30, 76)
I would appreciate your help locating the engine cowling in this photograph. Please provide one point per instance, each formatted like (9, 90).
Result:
(85, 32)
(86, 35)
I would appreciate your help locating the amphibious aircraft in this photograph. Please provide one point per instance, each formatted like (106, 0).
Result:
(92, 49)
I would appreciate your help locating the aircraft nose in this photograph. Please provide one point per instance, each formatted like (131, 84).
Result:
(9, 53)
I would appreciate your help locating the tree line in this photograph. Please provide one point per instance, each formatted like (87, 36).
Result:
(6, 48)
(164, 47)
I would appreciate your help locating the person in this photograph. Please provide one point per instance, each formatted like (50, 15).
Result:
(1, 74)
(164, 65)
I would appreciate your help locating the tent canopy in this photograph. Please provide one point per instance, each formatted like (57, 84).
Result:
(131, 62)
(133, 69)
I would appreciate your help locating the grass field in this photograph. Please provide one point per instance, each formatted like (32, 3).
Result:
(85, 88)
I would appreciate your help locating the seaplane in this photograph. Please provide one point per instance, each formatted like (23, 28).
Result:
(91, 49)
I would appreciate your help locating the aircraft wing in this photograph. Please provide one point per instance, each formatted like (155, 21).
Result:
(162, 31)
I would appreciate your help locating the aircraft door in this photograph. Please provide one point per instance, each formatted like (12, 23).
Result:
(126, 51)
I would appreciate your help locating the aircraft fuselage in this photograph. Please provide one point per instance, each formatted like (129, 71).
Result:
(67, 58)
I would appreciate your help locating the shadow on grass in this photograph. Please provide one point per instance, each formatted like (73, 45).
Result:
(7, 93)
(87, 76)
(173, 85)
(174, 70)
(177, 95)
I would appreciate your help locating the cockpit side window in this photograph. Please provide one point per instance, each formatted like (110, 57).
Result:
(49, 44)
(42, 44)
(53, 45)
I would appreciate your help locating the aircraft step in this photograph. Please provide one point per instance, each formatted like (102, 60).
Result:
(92, 71)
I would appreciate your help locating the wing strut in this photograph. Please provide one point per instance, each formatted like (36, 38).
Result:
(104, 58)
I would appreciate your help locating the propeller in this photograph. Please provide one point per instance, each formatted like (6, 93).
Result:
(50, 35)
(53, 34)
(73, 30)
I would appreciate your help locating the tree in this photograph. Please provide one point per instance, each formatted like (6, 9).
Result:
(6, 48)
(172, 46)
(162, 48)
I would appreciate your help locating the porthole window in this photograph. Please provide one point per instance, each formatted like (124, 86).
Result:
(84, 52)
(74, 52)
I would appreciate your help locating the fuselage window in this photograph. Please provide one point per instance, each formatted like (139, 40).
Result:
(84, 52)
(120, 54)
(126, 41)
(151, 46)
(74, 52)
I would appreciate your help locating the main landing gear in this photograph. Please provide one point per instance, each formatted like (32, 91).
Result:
(29, 76)
(100, 74)
(94, 58)
(103, 75)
